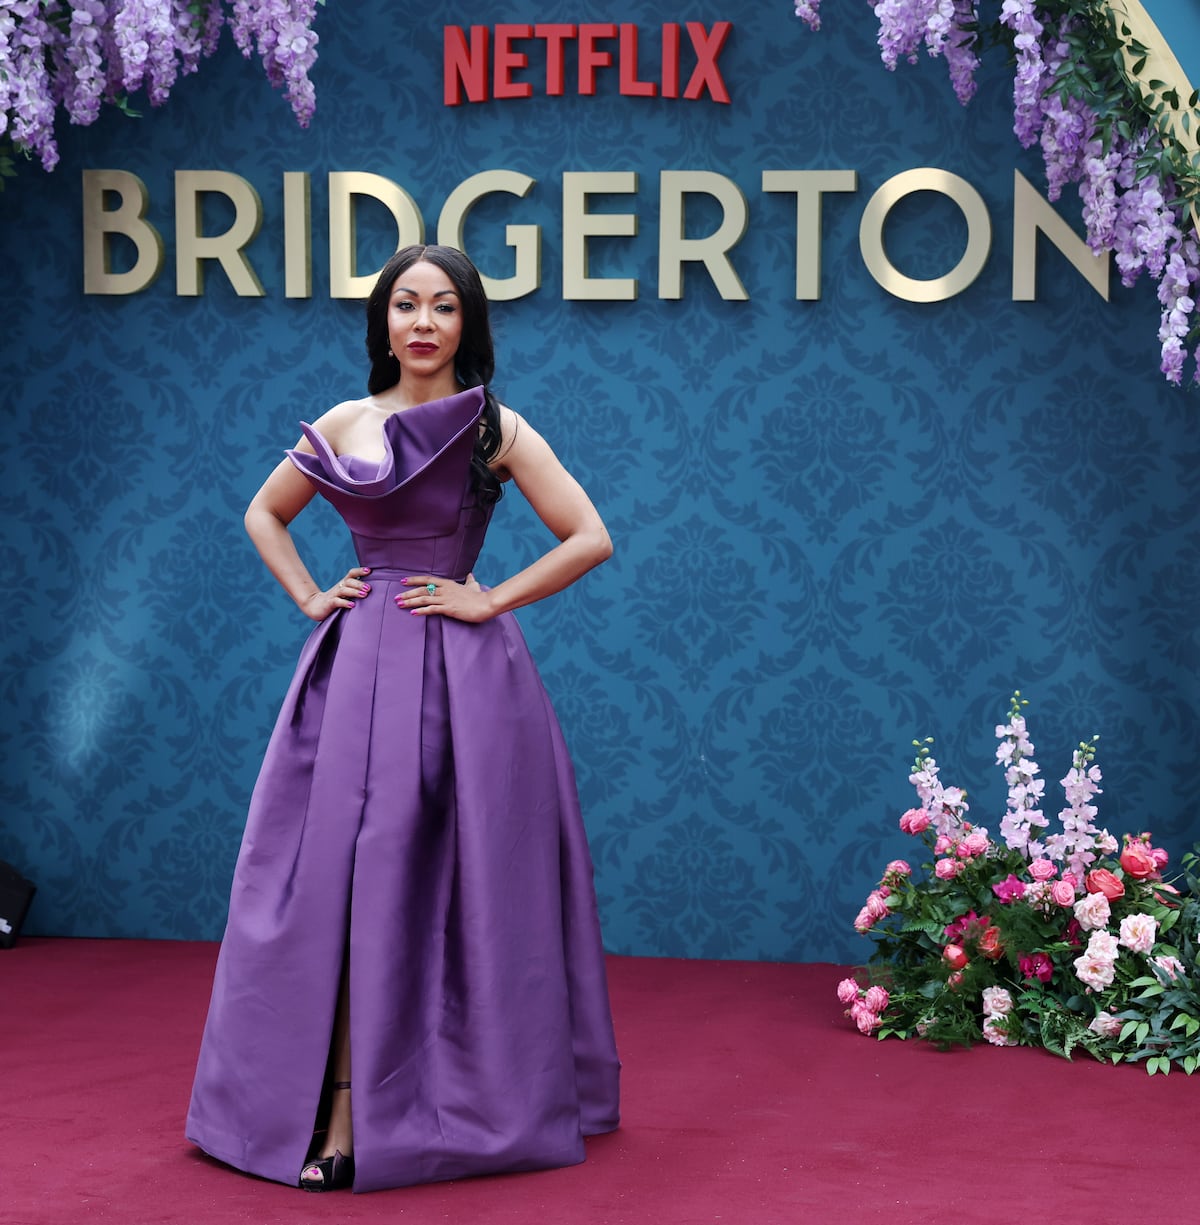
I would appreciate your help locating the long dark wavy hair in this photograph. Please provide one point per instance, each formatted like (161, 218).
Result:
(474, 363)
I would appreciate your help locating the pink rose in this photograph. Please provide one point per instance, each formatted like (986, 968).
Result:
(942, 844)
(1092, 911)
(863, 922)
(1171, 966)
(1138, 932)
(954, 956)
(915, 821)
(1101, 880)
(955, 980)
(947, 869)
(1062, 892)
(1009, 889)
(867, 1021)
(1104, 944)
(1138, 861)
(1036, 965)
(975, 843)
(1042, 869)
(847, 991)
(876, 999)
(896, 871)
(876, 906)
(1106, 1025)
(1160, 856)
(1094, 970)
(997, 1002)
(1071, 879)
(996, 1032)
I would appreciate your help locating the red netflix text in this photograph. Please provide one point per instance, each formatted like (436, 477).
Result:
(484, 65)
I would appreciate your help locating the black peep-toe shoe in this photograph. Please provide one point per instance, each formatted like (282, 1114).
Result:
(337, 1172)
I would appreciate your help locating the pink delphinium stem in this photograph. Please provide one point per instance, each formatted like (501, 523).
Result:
(1080, 840)
(1025, 788)
(945, 805)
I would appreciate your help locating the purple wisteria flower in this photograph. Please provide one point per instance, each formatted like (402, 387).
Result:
(809, 12)
(1031, 78)
(1175, 293)
(905, 24)
(961, 59)
(80, 76)
(78, 54)
(32, 40)
(1139, 219)
(287, 46)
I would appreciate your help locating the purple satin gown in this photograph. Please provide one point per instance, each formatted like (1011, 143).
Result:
(417, 806)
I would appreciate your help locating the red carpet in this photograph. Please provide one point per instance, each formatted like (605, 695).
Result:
(748, 1100)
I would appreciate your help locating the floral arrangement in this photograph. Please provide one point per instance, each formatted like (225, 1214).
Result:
(78, 54)
(1079, 92)
(1064, 939)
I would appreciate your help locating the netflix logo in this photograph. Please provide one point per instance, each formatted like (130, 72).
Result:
(493, 61)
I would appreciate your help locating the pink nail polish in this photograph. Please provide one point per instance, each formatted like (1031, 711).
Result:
(366, 570)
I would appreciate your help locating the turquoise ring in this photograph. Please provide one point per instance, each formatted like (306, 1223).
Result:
(431, 588)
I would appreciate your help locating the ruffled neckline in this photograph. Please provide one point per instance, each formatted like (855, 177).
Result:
(412, 439)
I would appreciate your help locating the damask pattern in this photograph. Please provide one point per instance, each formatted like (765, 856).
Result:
(839, 525)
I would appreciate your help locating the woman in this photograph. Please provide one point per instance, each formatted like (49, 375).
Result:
(412, 954)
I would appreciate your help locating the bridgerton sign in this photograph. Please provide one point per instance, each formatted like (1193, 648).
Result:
(124, 252)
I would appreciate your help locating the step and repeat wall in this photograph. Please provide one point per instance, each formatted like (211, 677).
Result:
(877, 443)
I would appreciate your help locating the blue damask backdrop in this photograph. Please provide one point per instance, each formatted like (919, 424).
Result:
(839, 525)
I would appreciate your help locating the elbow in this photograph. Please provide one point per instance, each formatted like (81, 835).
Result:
(603, 547)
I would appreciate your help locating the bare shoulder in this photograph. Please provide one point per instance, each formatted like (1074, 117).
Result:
(336, 423)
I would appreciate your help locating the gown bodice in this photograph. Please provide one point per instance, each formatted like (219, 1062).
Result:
(415, 509)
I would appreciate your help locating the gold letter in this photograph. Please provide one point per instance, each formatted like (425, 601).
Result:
(1032, 213)
(579, 225)
(128, 218)
(809, 186)
(674, 249)
(525, 240)
(297, 235)
(979, 235)
(343, 249)
(191, 246)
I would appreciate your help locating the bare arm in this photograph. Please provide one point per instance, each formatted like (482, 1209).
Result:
(560, 503)
(284, 494)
